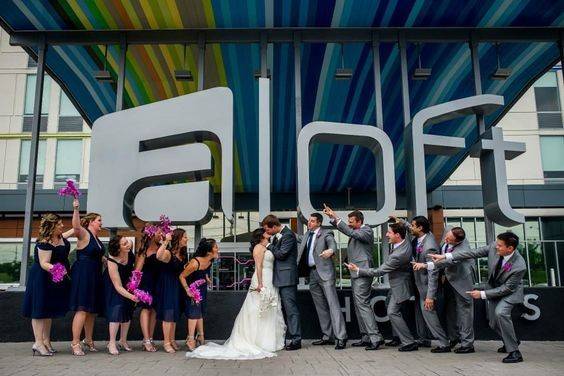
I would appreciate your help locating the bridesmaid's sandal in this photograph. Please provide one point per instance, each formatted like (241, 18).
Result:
(153, 343)
(123, 346)
(168, 348)
(49, 348)
(113, 351)
(191, 343)
(89, 346)
(148, 346)
(175, 345)
(200, 339)
(76, 349)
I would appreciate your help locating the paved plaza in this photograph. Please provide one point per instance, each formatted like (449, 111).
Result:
(541, 358)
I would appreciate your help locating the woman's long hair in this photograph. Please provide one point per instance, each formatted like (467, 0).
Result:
(175, 248)
(49, 223)
(256, 238)
(113, 245)
(204, 247)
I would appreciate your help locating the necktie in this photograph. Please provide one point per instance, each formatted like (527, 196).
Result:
(309, 240)
(496, 271)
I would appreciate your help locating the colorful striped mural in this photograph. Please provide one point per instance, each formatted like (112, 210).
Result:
(150, 69)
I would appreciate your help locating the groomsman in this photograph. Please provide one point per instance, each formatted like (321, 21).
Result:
(423, 245)
(316, 262)
(504, 288)
(398, 267)
(359, 251)
(455, 279)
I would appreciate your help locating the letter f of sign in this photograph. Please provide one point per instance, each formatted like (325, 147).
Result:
(152, 160)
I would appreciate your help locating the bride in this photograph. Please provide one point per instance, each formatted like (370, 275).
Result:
(259, 328)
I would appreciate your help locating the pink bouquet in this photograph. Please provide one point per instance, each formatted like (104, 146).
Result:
(70, 189)
(164, 226)
(143, 296)
(134, 280)
(195, 291)
(58, 272)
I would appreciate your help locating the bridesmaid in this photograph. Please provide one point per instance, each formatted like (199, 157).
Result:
(198, 269)
(87, 289)
(119, 302)
(147, 263)
(168, 291)
(45, 299)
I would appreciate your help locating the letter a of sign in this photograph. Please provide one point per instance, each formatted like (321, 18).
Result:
(151, 159)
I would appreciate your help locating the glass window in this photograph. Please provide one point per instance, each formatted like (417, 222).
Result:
(30, 94)
(24, 161)
(67, 108)
(68, 163)
(548, 102)
(552, 154)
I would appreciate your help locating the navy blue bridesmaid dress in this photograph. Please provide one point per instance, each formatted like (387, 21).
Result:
(195, 311)
(149, 280)
(169, 299)
(118, 308)
(87, 288)
(45, 299)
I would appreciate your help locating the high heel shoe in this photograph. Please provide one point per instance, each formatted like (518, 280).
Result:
(168, 348)
(76, 349)
(148, 346)
(50, 348)
(200, 339)
(153, 343)
(89, 346)
(190, 343)
(37, 350)
(124, 347)
(175, 345)
(112, 352)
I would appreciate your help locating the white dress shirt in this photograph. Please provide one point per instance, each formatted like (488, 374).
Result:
(310, 259)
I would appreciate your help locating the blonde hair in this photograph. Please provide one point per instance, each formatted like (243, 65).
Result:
(89, 217)
(47, 226)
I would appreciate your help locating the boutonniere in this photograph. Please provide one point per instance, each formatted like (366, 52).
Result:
(419, 248)
(318, 234)
(507, 267)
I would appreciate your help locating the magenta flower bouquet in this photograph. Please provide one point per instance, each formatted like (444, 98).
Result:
(70, 189)
(195, 291)
(58, 272)
(143, 296)
(134, 280)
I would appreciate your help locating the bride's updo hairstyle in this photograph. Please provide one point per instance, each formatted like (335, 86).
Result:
(256, 238)
(205, 246)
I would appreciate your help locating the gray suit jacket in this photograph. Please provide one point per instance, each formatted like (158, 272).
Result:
(325, 239)
(426, 281)
(459, 273)
(509, 281)
(398, 267)
(286, 259)
(361, 242)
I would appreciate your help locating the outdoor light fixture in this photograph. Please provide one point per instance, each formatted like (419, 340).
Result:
(257, 74)
(183, 74)
(420, 73)
(500, 73)
(104, 75)
(343, 73)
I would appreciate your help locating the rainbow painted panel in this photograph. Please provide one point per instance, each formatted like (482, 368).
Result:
(150, 70)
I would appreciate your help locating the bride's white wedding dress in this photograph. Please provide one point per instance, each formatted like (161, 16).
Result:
(259, 328)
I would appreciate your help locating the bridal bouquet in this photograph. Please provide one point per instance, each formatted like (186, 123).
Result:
(267, 300)
(58, 272)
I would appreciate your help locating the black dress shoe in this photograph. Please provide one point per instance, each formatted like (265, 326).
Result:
(424, 343)
(395, 342)
(373, 346)
(411, 347)
(454, 342)
(464, 350)
(341, 344)
(441, 349)
(360, 343)
(323, 342)
(513, 357)
(293, 346)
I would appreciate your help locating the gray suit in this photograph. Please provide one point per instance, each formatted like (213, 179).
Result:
(504, 290)
(457, 279)
(359, 252)
(285, 250)
(426, 283)
(322, 282)
(398, 267)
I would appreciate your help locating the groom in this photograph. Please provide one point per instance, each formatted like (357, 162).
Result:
(284, 247)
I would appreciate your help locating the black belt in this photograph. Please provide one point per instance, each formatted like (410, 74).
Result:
(313, 267)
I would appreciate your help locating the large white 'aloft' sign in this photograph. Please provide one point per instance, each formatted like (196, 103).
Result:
(152, 159)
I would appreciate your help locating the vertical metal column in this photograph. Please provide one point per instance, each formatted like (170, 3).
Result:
(32, 169)
(379, 114)
(298, 104)
(474, 53)
(404, 81)
(201, 62)
(264, 126)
